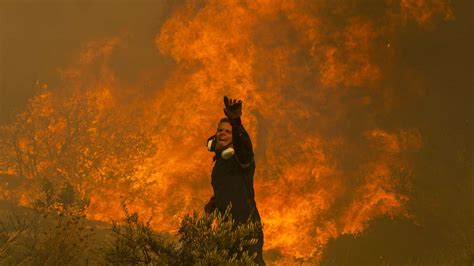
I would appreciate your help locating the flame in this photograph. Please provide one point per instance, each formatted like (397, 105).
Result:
(311, 76)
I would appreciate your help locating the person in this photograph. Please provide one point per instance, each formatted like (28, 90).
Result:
(233, 171)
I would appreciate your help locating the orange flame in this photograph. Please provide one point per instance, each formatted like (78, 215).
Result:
(311, 80)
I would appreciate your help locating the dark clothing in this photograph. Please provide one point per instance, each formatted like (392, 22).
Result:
(232, 184)
(232, 181)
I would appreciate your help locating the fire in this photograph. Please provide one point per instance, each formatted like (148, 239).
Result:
(311, 75)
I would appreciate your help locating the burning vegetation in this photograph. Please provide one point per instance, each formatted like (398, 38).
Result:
(317, 86)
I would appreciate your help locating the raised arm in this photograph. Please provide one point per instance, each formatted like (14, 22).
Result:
(240, 138)
(242, 143)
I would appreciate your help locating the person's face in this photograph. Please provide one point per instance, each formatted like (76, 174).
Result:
(223, 135)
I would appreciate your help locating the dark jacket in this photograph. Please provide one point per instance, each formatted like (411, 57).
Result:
(232, 179)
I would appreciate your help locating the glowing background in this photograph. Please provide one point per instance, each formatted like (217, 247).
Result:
(358, 111)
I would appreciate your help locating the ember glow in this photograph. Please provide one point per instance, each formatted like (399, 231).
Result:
(313, 79)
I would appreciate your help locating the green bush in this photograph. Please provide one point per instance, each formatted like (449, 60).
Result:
(212, 239)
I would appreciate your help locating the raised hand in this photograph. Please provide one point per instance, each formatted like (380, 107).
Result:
(233, 108)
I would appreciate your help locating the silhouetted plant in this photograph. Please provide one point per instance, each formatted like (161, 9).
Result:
(46, 238)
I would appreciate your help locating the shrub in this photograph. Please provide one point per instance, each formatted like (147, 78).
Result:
(213, 239)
